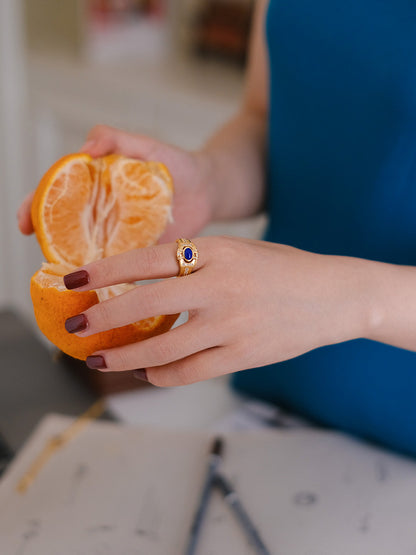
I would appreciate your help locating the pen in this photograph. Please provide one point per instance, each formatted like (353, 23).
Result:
(247, 525)
(214, 461)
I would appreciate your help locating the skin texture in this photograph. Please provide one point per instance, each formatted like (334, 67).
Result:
(235, 322)
(250, 302)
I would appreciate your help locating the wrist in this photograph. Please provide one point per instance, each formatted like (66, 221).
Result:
(392, 305)
(358, 310)
(369, 300)
(233, 161)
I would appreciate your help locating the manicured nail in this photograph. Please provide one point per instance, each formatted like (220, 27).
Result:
(76, 323)
(96, 362)
(76, 279)
(140, 374)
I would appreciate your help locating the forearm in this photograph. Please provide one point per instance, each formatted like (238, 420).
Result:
(375, 301)
(393, 305)
(234, 166)
(235, 156)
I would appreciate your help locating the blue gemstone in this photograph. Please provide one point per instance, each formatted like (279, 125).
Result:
(188, 254)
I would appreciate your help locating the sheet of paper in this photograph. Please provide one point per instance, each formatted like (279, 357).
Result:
(127, 491)
(211, 405)
(192, 407)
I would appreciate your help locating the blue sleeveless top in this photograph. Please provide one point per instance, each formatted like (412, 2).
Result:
(342, 169)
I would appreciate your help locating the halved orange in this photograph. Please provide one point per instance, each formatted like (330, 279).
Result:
(85, 209)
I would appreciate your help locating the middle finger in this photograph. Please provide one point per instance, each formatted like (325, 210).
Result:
(144, 301)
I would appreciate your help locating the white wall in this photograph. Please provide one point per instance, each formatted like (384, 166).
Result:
(177, 102)
(19, 255)
(12, 94)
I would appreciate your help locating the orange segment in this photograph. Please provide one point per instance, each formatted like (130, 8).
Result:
(85, 209)
(58, 208)
(142, 205)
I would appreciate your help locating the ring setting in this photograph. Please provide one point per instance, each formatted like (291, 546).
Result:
(186, 255)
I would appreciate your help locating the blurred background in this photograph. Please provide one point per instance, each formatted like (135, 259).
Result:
(172, 69)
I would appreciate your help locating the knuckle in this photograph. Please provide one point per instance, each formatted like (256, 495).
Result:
(97, 273)
(245, 352)
(223, 248)
(118, 359)
(98, 131)
(152, 150)
(174, 375)
(163, 351)
(150, 258)
(225, 243)
(100, 315)
(159, 379)
(152, 301)
(183, 375)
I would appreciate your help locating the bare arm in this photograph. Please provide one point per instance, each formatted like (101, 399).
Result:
(392, 291)
(234, 157)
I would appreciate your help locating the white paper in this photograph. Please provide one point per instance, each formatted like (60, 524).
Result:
(126, 491)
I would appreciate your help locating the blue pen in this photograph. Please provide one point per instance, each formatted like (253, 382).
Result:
(214, 461)
(247, 525)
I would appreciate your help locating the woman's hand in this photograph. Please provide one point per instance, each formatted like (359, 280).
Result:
(192, 206)
(250, 303)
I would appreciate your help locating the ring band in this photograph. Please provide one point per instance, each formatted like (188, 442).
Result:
(186, 255)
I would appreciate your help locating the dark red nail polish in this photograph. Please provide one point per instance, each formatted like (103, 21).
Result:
(76, 279)
(140, 374)
(76, 323)
(96, 362)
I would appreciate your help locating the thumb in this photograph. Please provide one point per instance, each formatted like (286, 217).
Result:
(24, 218)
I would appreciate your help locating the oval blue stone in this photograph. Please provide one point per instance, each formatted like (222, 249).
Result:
(188, 254)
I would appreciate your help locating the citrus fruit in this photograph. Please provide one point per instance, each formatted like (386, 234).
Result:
(85, 209)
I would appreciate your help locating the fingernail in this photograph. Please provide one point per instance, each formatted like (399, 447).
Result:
(76, 279)
(76, 323)
(87, 145)
(140, 374)
(96, 362)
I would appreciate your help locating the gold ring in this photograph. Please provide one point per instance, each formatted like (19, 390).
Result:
(187, 256)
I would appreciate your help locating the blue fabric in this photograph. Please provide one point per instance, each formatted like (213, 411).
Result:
(342, 166)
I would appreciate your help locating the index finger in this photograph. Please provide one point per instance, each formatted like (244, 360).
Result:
(154, 262)
(103, 140)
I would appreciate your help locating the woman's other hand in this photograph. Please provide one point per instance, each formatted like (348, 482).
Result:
(192, 207)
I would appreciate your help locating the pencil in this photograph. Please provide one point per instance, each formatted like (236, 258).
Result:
(247, 525)
(213, 463)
